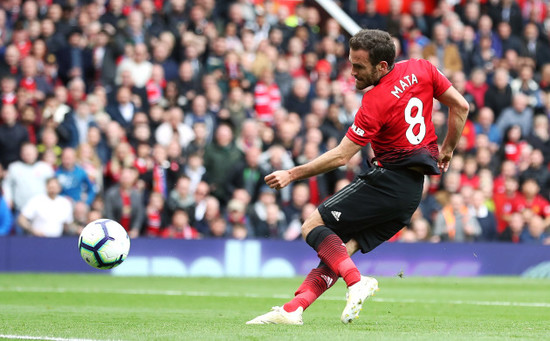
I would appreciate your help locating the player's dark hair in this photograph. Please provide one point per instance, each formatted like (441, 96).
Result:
(377, 43)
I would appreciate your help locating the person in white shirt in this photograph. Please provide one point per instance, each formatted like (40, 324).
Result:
(141, 68)
(47, 215)
(26, 178)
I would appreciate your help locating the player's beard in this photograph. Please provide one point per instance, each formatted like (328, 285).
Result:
(366, 81)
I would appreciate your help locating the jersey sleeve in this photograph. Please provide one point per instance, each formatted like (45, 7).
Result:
(440, 82)
(363, 128)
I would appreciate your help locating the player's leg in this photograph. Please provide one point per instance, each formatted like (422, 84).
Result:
(317, 281)
(330, 248)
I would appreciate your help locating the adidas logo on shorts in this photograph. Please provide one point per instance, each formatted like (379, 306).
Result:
(336, 215)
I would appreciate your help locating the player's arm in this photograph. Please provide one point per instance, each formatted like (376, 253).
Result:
(328, 161)
(458, 112)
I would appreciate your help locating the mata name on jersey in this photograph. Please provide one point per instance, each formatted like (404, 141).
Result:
(410, 81)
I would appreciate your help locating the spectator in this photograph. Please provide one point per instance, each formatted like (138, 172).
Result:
(200, 196)
(485, 124)
(507, 11)
(446, 54)
(199, 113)
(8, 85)
(504, 203)
(513, 145)
(267, 97)
(124, 203)
(218, 228)
(47, 214)
(526, 85)
(274, 226)
(298, 101)
(74, 181)
(54, 39)
(247, 174)
(537, 170)
(81, 213)
(121, 157)
(422, 21)
(509, 40)
(12, 135)
(35, 84)
(534, 233)
(300, 197)
(138, 64)
(485, 217)
(122, 111)
(371, 18)
(6, 218)
(455, 222)
(206, 213)
(162, 177)
(519, 113)
(422, 230)
(222, 151)
(26, 178)
(139, 94)
(104, 55)
(529, 198)
(514, 229)
(533, 47)
(10, 63)
(180, 228)
(181, 197)
(477, 86)
(75, 61)
(174, 127)
(249, 135)
(74, 128)
(347, 112)
(540, 136)
(88, 159)
(157, 217)
(237, 215)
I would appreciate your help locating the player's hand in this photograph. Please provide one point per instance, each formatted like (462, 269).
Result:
(278, 179)
(444, 161)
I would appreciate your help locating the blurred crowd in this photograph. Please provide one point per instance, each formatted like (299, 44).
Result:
(166, 115)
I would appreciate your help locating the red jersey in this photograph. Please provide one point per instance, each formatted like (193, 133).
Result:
(503, 206)
(267, 99)
(396, 116)
(538, 205)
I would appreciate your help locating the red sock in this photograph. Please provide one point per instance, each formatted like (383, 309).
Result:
(316, 283)
(333, 253)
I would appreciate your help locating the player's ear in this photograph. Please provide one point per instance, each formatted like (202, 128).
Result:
(383, 65)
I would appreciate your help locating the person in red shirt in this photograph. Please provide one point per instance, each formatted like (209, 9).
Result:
(529, 198)
(180, 227)
(513, 145)
(504, 202)
(267, 97)
(469, 176)
(395, 118)
(508, 169)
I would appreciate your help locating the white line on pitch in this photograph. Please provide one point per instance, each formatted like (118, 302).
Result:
(46, 338)
(277, 296)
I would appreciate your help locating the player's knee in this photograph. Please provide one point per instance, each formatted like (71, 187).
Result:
(311, 222)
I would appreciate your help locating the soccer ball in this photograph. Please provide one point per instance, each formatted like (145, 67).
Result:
(104, 244)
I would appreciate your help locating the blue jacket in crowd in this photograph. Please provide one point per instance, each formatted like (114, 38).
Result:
(74, 183)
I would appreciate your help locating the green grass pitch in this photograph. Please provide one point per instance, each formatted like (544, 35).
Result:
(99, 307)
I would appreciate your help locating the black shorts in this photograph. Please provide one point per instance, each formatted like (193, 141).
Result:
(374, 207)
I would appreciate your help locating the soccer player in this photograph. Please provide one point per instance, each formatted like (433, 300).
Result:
(396, 118)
